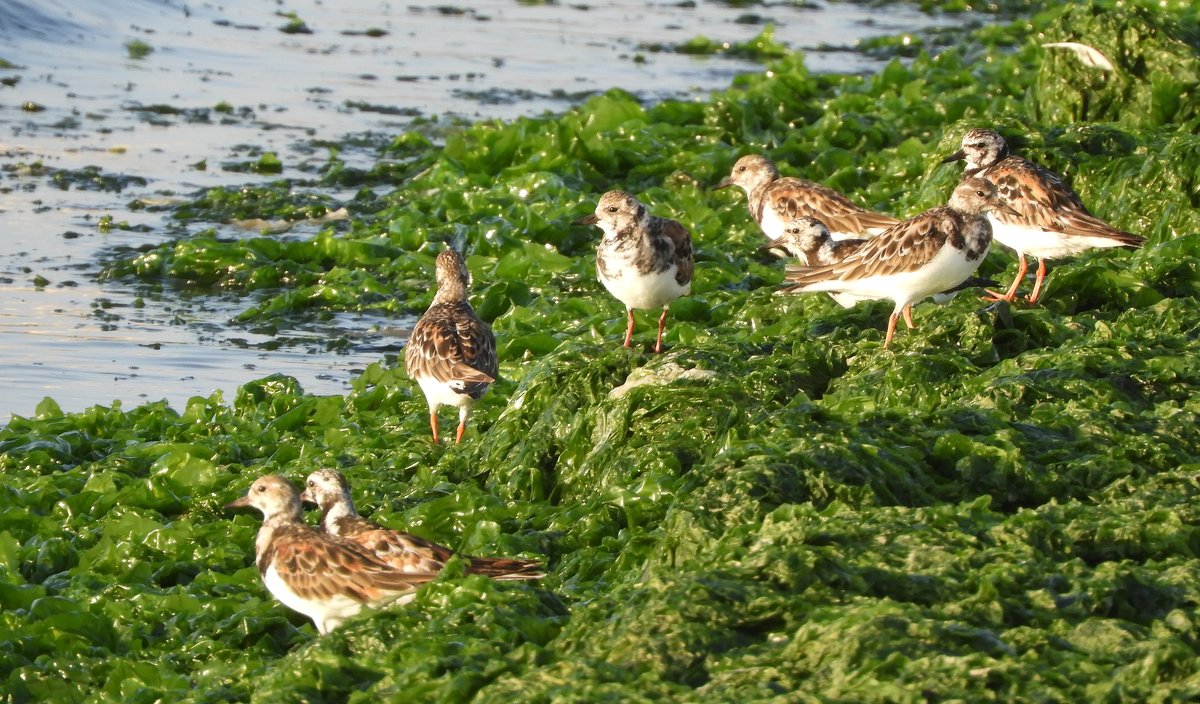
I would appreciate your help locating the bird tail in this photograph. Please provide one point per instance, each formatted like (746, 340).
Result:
(501, 568)
(471, 381)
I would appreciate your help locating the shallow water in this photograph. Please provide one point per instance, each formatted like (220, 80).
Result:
(83, 342)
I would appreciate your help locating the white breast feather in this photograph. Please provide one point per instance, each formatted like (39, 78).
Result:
(947, 269)
(327, 615)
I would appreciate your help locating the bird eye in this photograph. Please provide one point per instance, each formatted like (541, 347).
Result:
(741, 169)
(981, 194)
(980, 145)
(261, 488)
(612, 208)
(311, 483)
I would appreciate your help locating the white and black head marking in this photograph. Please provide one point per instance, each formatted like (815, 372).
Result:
(324, 487)
(974, 197)
(806, 232)
(981, 148)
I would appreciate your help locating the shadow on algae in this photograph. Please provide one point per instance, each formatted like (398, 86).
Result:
(1001, 507)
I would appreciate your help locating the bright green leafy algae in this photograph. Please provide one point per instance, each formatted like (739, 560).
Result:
(1002, 507)
(138, 49)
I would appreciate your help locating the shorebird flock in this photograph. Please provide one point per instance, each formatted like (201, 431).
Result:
(332, 572)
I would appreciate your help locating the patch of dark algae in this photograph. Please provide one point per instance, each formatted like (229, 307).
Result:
(1003, 506)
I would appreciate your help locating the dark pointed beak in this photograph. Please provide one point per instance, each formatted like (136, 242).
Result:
(1007, 209)
(723, 184)
(306, 498)
(242, 502)
(590, 219)
(776, 243)
(956, 156)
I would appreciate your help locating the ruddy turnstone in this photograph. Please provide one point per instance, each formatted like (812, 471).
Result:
(643, 260)
(451, 353)
(930, 253)
(808, 240)
(327, 488)
(321, 576)
(775, 200)
(1047, 221)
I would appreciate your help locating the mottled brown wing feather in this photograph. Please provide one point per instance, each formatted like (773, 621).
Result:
(1044, 201)
(1023, 184)
(349, 526)
(1081, 225)
(404, 551)
(844, 248)
(317, 566)
(681, 239)
(411, 553)
(478, 345)
(450, 344)
(905, 247)
(795, 197)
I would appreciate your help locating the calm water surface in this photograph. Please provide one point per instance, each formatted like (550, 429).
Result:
(84, 342)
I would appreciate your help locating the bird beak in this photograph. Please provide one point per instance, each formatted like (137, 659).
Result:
(306, 498)
(776, 243)
(723, 184)
(243, 502)
(956, 156)
(586, 220)
(1006, 208)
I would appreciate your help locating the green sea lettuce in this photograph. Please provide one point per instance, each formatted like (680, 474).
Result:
(1000, 506)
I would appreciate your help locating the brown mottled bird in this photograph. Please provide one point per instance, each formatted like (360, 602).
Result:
(643, 260)
(775, 201)
(321, 576)
(1047, 220)
(808, 240)
(451, 353)
(328, 489)
(930, 253)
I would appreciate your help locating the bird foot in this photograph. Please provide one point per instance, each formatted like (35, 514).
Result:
(994, 297)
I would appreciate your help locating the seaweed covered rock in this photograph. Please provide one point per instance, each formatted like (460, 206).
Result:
(1117, 63)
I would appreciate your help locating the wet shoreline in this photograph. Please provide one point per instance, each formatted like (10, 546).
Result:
(87, 133)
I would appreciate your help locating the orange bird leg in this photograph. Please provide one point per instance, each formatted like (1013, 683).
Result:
(433, 424)
(1022, 267)
(662, 325)
(891, 329)
(629, 330)
(462, 428)
(1037, 283)
(908, 317)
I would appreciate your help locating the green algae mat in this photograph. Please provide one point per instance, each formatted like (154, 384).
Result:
(1003, 506)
